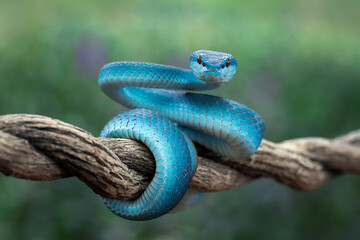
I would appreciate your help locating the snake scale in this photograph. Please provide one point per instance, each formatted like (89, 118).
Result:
(165, 119)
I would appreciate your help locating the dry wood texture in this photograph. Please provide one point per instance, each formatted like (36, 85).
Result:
(40, 148)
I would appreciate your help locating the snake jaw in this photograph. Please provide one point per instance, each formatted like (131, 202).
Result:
(212, 76)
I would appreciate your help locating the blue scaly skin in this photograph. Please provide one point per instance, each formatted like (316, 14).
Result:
(164, 120)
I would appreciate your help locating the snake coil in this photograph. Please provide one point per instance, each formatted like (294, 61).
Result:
(165, 120)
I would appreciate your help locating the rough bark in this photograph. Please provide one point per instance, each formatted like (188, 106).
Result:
(40, 148)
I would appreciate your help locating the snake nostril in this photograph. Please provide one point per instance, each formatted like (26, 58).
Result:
(204, 65)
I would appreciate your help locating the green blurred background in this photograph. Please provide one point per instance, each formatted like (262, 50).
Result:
(298, 67)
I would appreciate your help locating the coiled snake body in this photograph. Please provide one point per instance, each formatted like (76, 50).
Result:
(166, 120)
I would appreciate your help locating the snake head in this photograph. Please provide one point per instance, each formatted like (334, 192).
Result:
(213, 67)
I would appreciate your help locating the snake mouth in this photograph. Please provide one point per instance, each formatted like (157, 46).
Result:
(211, 72)
(212, 76)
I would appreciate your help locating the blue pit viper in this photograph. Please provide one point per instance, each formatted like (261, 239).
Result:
(165, 119)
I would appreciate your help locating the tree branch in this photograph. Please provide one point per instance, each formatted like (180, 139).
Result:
(40, 148)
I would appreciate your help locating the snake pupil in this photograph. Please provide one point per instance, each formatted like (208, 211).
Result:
(228, 62)
(199, 59)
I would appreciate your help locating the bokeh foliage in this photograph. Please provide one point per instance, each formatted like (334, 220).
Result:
(298, 67)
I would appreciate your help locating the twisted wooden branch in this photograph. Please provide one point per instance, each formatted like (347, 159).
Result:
(40, 148)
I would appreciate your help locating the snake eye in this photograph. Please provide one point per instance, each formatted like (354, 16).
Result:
(199, 60)
(228, 63)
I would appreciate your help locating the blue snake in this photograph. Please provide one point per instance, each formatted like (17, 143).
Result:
(165, 120)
